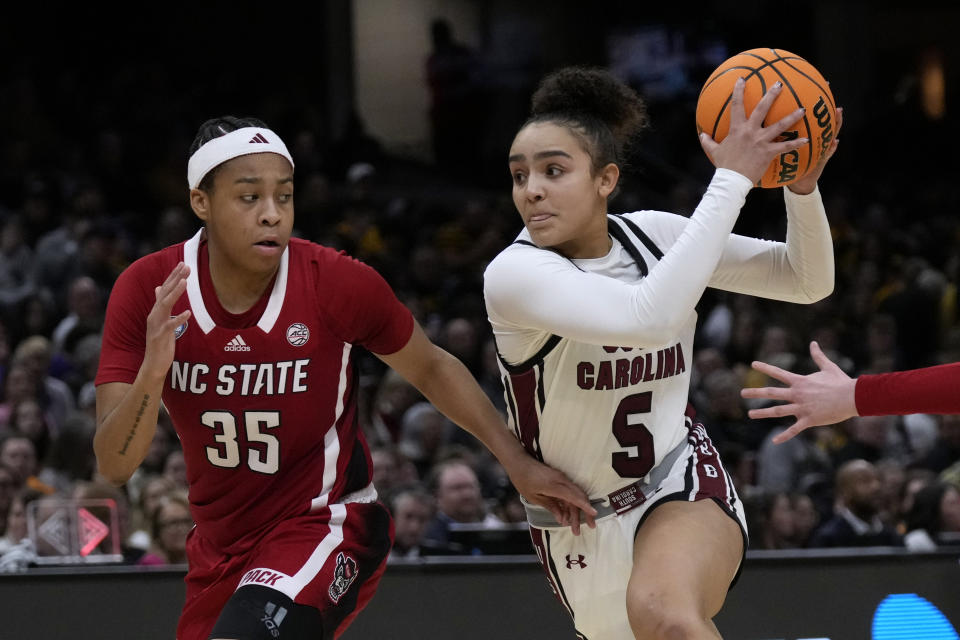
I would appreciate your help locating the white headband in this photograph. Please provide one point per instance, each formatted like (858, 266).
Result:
(239, 142)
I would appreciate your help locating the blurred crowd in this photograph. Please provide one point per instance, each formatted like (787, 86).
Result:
(82, 203)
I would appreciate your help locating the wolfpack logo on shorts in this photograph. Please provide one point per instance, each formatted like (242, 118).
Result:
(298, 334)
(343, 576)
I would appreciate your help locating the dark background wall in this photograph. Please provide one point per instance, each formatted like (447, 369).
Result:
(812, 595)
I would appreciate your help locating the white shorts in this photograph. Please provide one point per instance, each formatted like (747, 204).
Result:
(589, 573)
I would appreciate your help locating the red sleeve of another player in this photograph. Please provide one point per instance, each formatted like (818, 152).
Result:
(930, 390)
(365, 309)
(124, 328)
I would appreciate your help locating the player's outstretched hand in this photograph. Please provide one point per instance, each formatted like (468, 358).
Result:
(808, 183)
(551, 489)
(749, 146)
(158, 355)
(820, 398)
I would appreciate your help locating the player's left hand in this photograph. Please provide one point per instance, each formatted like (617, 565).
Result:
(545, 486)
(808, 183)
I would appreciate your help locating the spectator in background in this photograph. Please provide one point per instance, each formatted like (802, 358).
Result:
(935, 511)
(892, 476)
(70, 459)
(773, 522)
(393, 396)
(509, 507)
(424, 432)
(460, 337)
(946, 449)
(35, 353)
(85, 357)
(17, 551)
(19, 384)
(915, 480)
(35, 316)
(457, 491)
(868, 438)
(28, 419)
(175, 468)
(154, 488)
(19, 454)
(806, 519)
(170, 522)
(16, 264)
(9, 485)
(413, 509)
(391, 469)
(725, 413)
(85, 309)
(856, 521)
(792, 466)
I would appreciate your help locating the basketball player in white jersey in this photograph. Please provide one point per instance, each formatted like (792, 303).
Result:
(594, 320)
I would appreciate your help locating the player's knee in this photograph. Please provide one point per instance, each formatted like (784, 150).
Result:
(653, 616)
(259, 612)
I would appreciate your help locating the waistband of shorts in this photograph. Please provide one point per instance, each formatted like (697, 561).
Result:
(620, 501)
(365, 495)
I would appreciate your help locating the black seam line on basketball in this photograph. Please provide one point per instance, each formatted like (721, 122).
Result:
(786, 83)
(713, 132)
(826, 90)
(752, 71)
(763, 88)
(713, 79)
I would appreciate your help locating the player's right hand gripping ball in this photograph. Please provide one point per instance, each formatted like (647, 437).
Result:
(803, 86)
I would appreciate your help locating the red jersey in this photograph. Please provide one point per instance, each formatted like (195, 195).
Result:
(264, 402)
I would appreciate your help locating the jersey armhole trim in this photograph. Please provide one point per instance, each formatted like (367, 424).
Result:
(644, 238)
(548, 346)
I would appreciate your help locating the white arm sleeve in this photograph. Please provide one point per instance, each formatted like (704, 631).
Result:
(531, 290)
(800, 270)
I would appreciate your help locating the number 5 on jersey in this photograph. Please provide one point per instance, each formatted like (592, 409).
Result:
(227, 455)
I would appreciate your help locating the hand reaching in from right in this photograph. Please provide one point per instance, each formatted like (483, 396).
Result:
(749, 147)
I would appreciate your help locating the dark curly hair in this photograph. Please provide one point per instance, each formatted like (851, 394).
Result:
(214, 128)
(602, 111)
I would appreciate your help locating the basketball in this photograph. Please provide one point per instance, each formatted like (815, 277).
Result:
(803, 86)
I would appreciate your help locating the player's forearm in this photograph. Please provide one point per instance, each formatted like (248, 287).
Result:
(125, 429)
(930, 390)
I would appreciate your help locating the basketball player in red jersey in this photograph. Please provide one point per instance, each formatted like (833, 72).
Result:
(254, 366)
(829, 396)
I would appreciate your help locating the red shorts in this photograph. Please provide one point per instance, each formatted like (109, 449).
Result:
(331, 559)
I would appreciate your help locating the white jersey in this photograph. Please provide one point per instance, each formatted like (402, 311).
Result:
(596, 353)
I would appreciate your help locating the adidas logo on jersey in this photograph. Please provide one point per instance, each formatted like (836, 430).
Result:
(237, 344)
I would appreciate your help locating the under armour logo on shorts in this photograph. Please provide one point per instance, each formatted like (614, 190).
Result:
(578, 562)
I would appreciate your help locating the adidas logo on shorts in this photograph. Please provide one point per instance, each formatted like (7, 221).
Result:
(237, 344)
(274, 616)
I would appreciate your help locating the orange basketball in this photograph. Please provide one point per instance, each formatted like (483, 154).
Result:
(803, 86)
